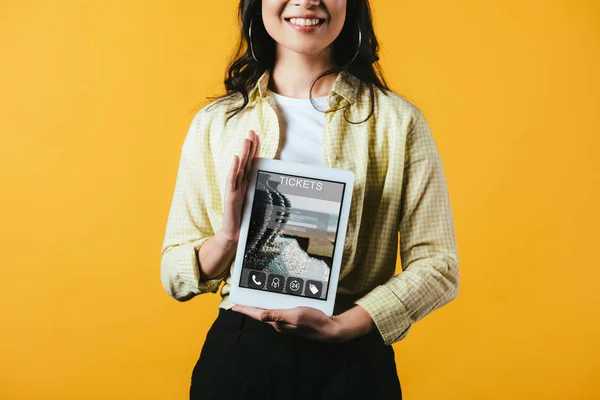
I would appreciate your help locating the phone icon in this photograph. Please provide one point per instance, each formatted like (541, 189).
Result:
(256, 279)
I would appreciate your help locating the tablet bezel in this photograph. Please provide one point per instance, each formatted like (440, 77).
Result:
(268, 299)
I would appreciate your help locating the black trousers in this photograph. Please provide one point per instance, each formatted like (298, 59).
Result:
(243, 358)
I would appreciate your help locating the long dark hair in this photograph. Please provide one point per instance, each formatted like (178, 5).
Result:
(244, 71)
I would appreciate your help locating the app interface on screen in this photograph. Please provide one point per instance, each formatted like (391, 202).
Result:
(292, 235)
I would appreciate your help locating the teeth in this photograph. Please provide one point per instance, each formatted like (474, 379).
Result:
(304, 21)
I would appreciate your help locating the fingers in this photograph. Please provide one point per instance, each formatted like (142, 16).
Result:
(283, 327)
(257, 146)
(231, 176)
(247, 155)
(252, 136)
(283, 316)
(243, 158)
(284, 321)
(297, 316)
(248, 310)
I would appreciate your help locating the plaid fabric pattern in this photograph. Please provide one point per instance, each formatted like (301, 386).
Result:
(400, 189)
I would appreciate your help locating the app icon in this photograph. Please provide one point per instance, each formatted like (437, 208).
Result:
(275, 282)
(294, 285)
(314, 289)
(256, 279)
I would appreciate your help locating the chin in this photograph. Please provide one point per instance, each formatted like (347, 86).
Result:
(306, 49)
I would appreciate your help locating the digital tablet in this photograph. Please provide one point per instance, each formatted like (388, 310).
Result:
(292, 236)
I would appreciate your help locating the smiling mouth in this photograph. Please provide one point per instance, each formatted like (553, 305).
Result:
(305, 22)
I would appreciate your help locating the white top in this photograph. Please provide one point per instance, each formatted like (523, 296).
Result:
(301, 129)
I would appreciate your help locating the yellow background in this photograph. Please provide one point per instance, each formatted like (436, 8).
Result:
(96, 98)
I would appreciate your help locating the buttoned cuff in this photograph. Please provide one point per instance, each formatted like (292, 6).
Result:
(388, 313)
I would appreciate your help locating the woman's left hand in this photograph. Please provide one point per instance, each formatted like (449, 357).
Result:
(312, 323)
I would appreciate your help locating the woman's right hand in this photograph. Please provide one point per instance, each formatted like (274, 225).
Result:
(235, 191)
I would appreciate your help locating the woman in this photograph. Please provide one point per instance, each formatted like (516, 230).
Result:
(305, 87)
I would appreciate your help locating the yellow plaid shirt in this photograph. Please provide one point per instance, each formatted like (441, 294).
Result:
(400, 188)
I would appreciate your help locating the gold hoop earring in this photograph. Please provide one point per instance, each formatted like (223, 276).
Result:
(250, 40)
(359, 43)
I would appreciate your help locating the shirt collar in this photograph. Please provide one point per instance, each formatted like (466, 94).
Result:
(345, 85)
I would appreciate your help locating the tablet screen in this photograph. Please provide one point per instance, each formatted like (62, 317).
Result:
(292, 234)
